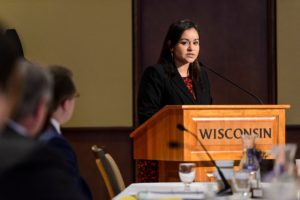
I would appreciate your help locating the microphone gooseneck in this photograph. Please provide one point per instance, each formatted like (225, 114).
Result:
(230, 81)
(227, 190)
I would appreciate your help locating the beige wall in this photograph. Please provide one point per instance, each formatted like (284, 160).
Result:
(288, 57)
(91, 37)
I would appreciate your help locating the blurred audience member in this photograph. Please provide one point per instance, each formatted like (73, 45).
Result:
(29, 115)
(63, 103)
(28, 169)
(8, 77)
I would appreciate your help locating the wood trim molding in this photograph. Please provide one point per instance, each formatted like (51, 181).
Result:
(293, 127)
(293, 136)
(97, 129)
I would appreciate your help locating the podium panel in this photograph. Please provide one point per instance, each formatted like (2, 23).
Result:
(219, 128)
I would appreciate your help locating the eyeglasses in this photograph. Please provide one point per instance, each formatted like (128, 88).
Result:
(76, 95)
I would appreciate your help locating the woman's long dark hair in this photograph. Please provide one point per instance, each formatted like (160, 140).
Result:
(172, 38)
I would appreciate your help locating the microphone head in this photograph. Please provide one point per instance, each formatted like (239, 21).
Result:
(181, 127)
(175, 145)
(227, 188)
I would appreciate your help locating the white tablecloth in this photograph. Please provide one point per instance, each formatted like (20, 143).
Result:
(205, 187)
(135, 188)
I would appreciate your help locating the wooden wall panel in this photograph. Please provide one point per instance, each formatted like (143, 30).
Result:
(293, 136)
(115, 141)
(237, 40)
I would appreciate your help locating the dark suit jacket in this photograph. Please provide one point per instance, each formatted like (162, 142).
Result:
(61, 145)
(157, 90)
(31, 170)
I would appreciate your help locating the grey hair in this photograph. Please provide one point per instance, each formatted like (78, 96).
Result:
(37, 84)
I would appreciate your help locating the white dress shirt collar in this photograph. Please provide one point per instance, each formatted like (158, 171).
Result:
(17, 127)
(56, 125)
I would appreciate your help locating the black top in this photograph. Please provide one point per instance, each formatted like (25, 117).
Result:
(158, 89)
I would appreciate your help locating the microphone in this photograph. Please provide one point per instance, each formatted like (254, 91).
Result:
(236, 85)
(227, 188)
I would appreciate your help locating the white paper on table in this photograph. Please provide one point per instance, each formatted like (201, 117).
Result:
(147, 195)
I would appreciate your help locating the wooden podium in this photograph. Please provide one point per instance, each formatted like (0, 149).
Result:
(219, 127)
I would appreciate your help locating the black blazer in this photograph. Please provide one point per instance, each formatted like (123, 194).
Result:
(31, 170)
(59, 143)
(157, 90)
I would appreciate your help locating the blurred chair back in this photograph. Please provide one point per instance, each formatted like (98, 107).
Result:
(116, 170)
(109, 171)
(14, 38)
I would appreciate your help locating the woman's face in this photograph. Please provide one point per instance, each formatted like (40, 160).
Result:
(187, 49)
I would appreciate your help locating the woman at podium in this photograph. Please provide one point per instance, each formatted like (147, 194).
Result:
(177, 79)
